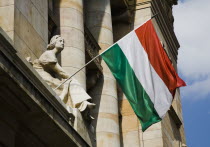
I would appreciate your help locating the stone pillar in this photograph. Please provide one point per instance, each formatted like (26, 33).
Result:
(143, 12)
(130, 125)
(153, 135)
(99, 22)
(69, 14)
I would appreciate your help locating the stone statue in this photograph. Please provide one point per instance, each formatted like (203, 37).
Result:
(71, 93)
(168, 8)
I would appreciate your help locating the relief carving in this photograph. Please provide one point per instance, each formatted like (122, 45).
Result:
(168, 5)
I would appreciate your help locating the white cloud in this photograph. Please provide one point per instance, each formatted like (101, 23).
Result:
(192, 27)
(198, 90)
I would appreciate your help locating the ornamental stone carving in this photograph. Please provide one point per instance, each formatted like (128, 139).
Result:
(168, 5)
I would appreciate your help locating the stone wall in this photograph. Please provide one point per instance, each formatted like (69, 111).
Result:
(31, 27)
(26, 22)
(7, 23)
(31, 113)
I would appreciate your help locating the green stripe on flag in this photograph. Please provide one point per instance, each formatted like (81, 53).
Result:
(132, 88)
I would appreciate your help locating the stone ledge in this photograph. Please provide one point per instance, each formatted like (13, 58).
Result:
(34, 98)
(165, 27)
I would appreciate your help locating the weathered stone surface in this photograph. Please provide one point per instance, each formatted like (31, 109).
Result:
(109, 104)
(107, 123)
(39, 24)
(70, 17)
(7, 23)
(102, 35)
(107, 139)
(23, 49)
(109, 87)
(129, 123)
(10, 34)
(125, 108)
(153, 143)
(26, 32)
(25, 7)
(75, 4)
(106, 70)
(98, 6)
(141, 16)
(153, 134)
(75, 54)
(131, 139)
(6, 3)
(156, 126)
(34, 16)
(100, 19)
(41, 6)
(75, 37)
(80, 126)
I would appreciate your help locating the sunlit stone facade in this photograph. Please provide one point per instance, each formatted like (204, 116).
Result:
(33, 115)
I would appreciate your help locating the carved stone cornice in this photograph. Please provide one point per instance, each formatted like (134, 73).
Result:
(94, 70)
(163, 21)
(92, 48)
(168, 6)
(122, 10)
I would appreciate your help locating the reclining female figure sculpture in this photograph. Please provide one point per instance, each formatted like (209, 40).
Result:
(71, 93)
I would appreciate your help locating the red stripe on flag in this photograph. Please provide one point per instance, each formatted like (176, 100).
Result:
(158, 57)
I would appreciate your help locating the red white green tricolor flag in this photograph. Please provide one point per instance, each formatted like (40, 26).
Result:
(144, 72)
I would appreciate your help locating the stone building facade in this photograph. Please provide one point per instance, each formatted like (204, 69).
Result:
(31, 114)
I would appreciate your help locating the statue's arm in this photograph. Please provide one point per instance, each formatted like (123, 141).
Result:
(59, 70)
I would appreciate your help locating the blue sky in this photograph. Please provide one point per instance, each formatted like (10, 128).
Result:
(192, 27)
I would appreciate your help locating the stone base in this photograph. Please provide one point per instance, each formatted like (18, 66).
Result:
(80, 127)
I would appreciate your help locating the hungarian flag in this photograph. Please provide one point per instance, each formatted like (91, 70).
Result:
(144, 72)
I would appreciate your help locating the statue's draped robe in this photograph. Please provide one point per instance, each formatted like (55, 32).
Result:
(45, 66)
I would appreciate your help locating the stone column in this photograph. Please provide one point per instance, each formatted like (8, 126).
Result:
(143, 12)
(153, 135)
(99, 22)
(69, 14)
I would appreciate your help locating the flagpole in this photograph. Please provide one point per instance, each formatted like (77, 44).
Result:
(88, 63)
(77, 71)
(154, 15)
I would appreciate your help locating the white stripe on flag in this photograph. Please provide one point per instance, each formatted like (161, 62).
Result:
(151, 82)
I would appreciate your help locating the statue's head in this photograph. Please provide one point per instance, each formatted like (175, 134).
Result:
(56, 42)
